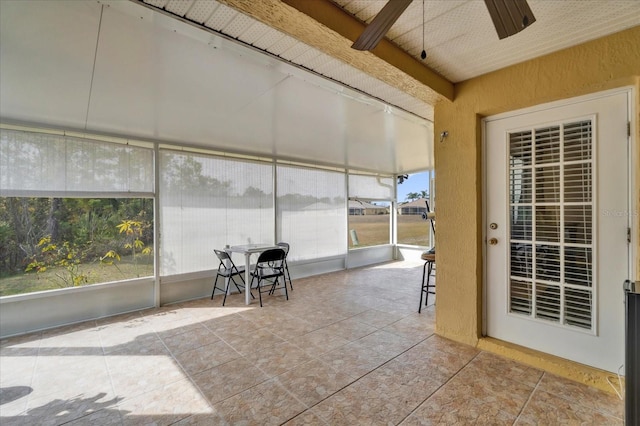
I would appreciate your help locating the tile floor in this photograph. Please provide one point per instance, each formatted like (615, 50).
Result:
(348, 348)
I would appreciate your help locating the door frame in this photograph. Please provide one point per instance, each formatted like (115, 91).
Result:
(633, 203)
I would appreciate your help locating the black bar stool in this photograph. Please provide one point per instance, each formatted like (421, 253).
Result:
(427, 269)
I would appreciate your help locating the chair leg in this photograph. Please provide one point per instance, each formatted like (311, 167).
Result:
(259, 292)
(286, 268)
(235, 283)
(286, 293)
(424, 267)
(429, 269)
(215, 285)
(226, 291)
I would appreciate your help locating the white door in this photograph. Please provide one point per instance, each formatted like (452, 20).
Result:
(557, 217)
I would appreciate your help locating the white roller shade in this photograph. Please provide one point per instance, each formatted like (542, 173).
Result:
(311, 212)
(207, 202)
(371, 187)
(40, 164)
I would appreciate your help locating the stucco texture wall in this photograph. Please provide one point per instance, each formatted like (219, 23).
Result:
(601, 64)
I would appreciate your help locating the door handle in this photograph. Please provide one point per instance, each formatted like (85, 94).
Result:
(493, 241)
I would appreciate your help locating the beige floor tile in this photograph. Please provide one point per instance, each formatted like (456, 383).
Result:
(355, 359)
(226, 380)
(460, 394)
(350, 329)
(314, 381)
(412, 328)
(148, 344)
(118, 334)
(438, 343)
(170, 326)
(133, 375)
(54, 410)
(74, 341)
(291, 330)
(499, 366)
(265, 404)
(25, 341)
(165, 405)
(306, 418)
(359, 405)
(205, 357)
(17, 370)
(386, 343)
(377, 319)
(584, 395)
(13, 400)
(193, 338)
(104, 417)
(278, 359)
(231, 326)
(347, 348)
(254, 341)
(545, 408)
(489, 387)
(437, 364)
(320, 341)
(69, 377)
(429, 414)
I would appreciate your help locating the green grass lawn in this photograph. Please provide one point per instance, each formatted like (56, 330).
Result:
(371, 230)
(98, 273)
(374, 230)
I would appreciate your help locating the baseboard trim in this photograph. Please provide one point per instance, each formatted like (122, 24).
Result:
(580, 373)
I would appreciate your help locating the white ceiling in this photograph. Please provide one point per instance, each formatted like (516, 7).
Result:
(461, 41)
(171, 79)
(459, 37)
(123, 69)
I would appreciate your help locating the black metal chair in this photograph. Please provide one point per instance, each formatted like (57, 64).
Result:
(269, 268)
(285, 247)
(227, 270)
(427, 269)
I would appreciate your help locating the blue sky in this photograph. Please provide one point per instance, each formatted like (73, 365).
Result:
(417, 182)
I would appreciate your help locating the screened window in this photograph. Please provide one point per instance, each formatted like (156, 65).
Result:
(413, 195)
(370, 210)
(73, 211)
(207, 202)
(311, 211)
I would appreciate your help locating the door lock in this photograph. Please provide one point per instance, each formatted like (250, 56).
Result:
(493, 241)
(493, 226)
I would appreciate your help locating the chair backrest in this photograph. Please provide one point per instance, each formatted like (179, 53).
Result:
(285, 247)
(222, 255)
(272, 255)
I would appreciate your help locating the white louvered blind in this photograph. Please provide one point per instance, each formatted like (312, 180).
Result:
(207, 202)
(551, 209)
(311, 211)
(42, 164)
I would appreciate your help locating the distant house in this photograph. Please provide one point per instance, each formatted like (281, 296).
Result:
(360, 208)
(418, 206)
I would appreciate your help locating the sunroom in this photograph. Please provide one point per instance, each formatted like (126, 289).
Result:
(156, 103)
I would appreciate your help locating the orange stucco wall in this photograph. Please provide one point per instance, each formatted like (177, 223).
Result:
(601, 64)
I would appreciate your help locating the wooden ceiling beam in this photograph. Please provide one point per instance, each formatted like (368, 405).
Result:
(326, 27)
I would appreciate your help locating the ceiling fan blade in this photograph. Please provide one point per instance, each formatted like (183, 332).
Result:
(509, 16)
(375, 31)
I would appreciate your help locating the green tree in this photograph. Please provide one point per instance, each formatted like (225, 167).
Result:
(66, 257)
(413, 196)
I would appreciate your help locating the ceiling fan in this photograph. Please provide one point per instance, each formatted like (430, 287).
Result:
(508, 16)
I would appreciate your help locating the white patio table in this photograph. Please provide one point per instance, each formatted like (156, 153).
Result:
(248, 250)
